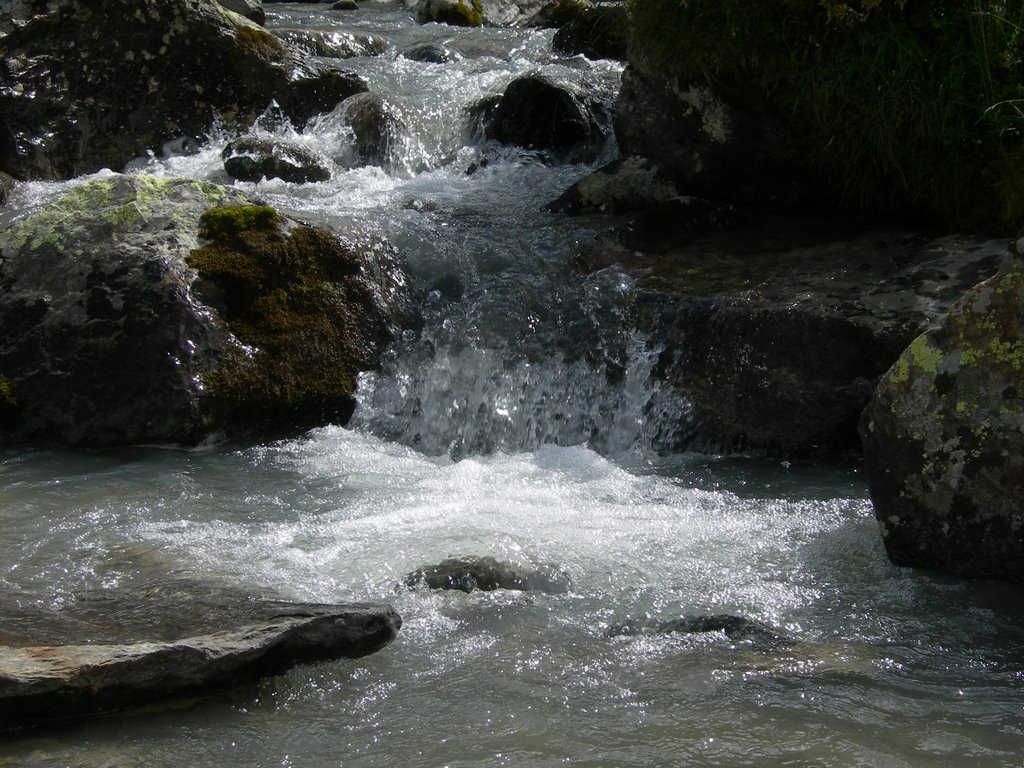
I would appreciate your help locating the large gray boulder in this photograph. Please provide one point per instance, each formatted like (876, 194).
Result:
(118, 649)
(944, 438)
(143, 310)
(85, 86)
(778, 335)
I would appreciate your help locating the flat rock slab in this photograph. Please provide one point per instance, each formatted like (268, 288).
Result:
(114, 650)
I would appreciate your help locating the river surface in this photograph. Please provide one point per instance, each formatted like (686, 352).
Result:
(518, 422)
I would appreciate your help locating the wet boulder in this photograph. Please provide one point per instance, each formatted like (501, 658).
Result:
(376, 124)
(253, 158)
(336, 44)
(86, 86)
(468, 574)
(944, 438)
(736, 628)
(457, 13)
(113, 650)
(537, 112)
(597, 32)
(345, 5)
(142, 310)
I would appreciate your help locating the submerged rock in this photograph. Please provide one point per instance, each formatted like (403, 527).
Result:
(119, 326)
(737, 628)
(430, 53)
(333, 44)
(536, 112)
(944, 438)
(376, 124)
(114, 650)
(87, 86)
(487, 574)
(252, 159)
(628, 184)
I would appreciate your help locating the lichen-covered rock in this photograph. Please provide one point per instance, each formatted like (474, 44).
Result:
(468, 574)
(119, 649)
(944, 438)
(253, 158)
(706, 144)
(333, 44)
(457, 13)
(628, 184)
(86, 86)
(536, 112)
(108, 336)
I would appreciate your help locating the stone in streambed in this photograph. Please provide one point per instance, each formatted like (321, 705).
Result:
(486, 574)
(943, 438)
(456, 13)
(252, 159)
(114, 650)
(736, 628)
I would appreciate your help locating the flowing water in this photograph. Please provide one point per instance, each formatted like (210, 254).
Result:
(518, 422)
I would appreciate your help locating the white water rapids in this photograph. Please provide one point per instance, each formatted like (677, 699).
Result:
(517, 423)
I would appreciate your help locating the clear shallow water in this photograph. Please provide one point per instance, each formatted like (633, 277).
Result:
(519, 423)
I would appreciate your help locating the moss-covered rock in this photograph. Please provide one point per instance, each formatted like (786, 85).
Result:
(108, 336)
(297, 300)
(457, 13)
(944, 438)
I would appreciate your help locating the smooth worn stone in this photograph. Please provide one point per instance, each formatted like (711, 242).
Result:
(144, 310)
(736, 628)
(345, 5)
(252, 159)
(627, 184)
(430, 53)
(944, 438)
(376, 125)
(88, 86)
(120, 649)
(467, 574)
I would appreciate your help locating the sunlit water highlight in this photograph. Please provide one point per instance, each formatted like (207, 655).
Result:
(518, 422)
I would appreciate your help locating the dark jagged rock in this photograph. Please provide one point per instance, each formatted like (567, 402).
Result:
(113, 650)
(598, 32)
(777, 335)
(252, 159)
(109, 336)
(944, 438)
(6, 187)
(467, 574)
(627, 184)
(335, 44)
(736, 628)
(86, 86)
(536, 112)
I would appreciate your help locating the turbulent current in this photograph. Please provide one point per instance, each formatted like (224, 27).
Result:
(517, 422)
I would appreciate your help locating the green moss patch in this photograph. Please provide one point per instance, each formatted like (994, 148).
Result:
(900, 105)
(295, 300)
